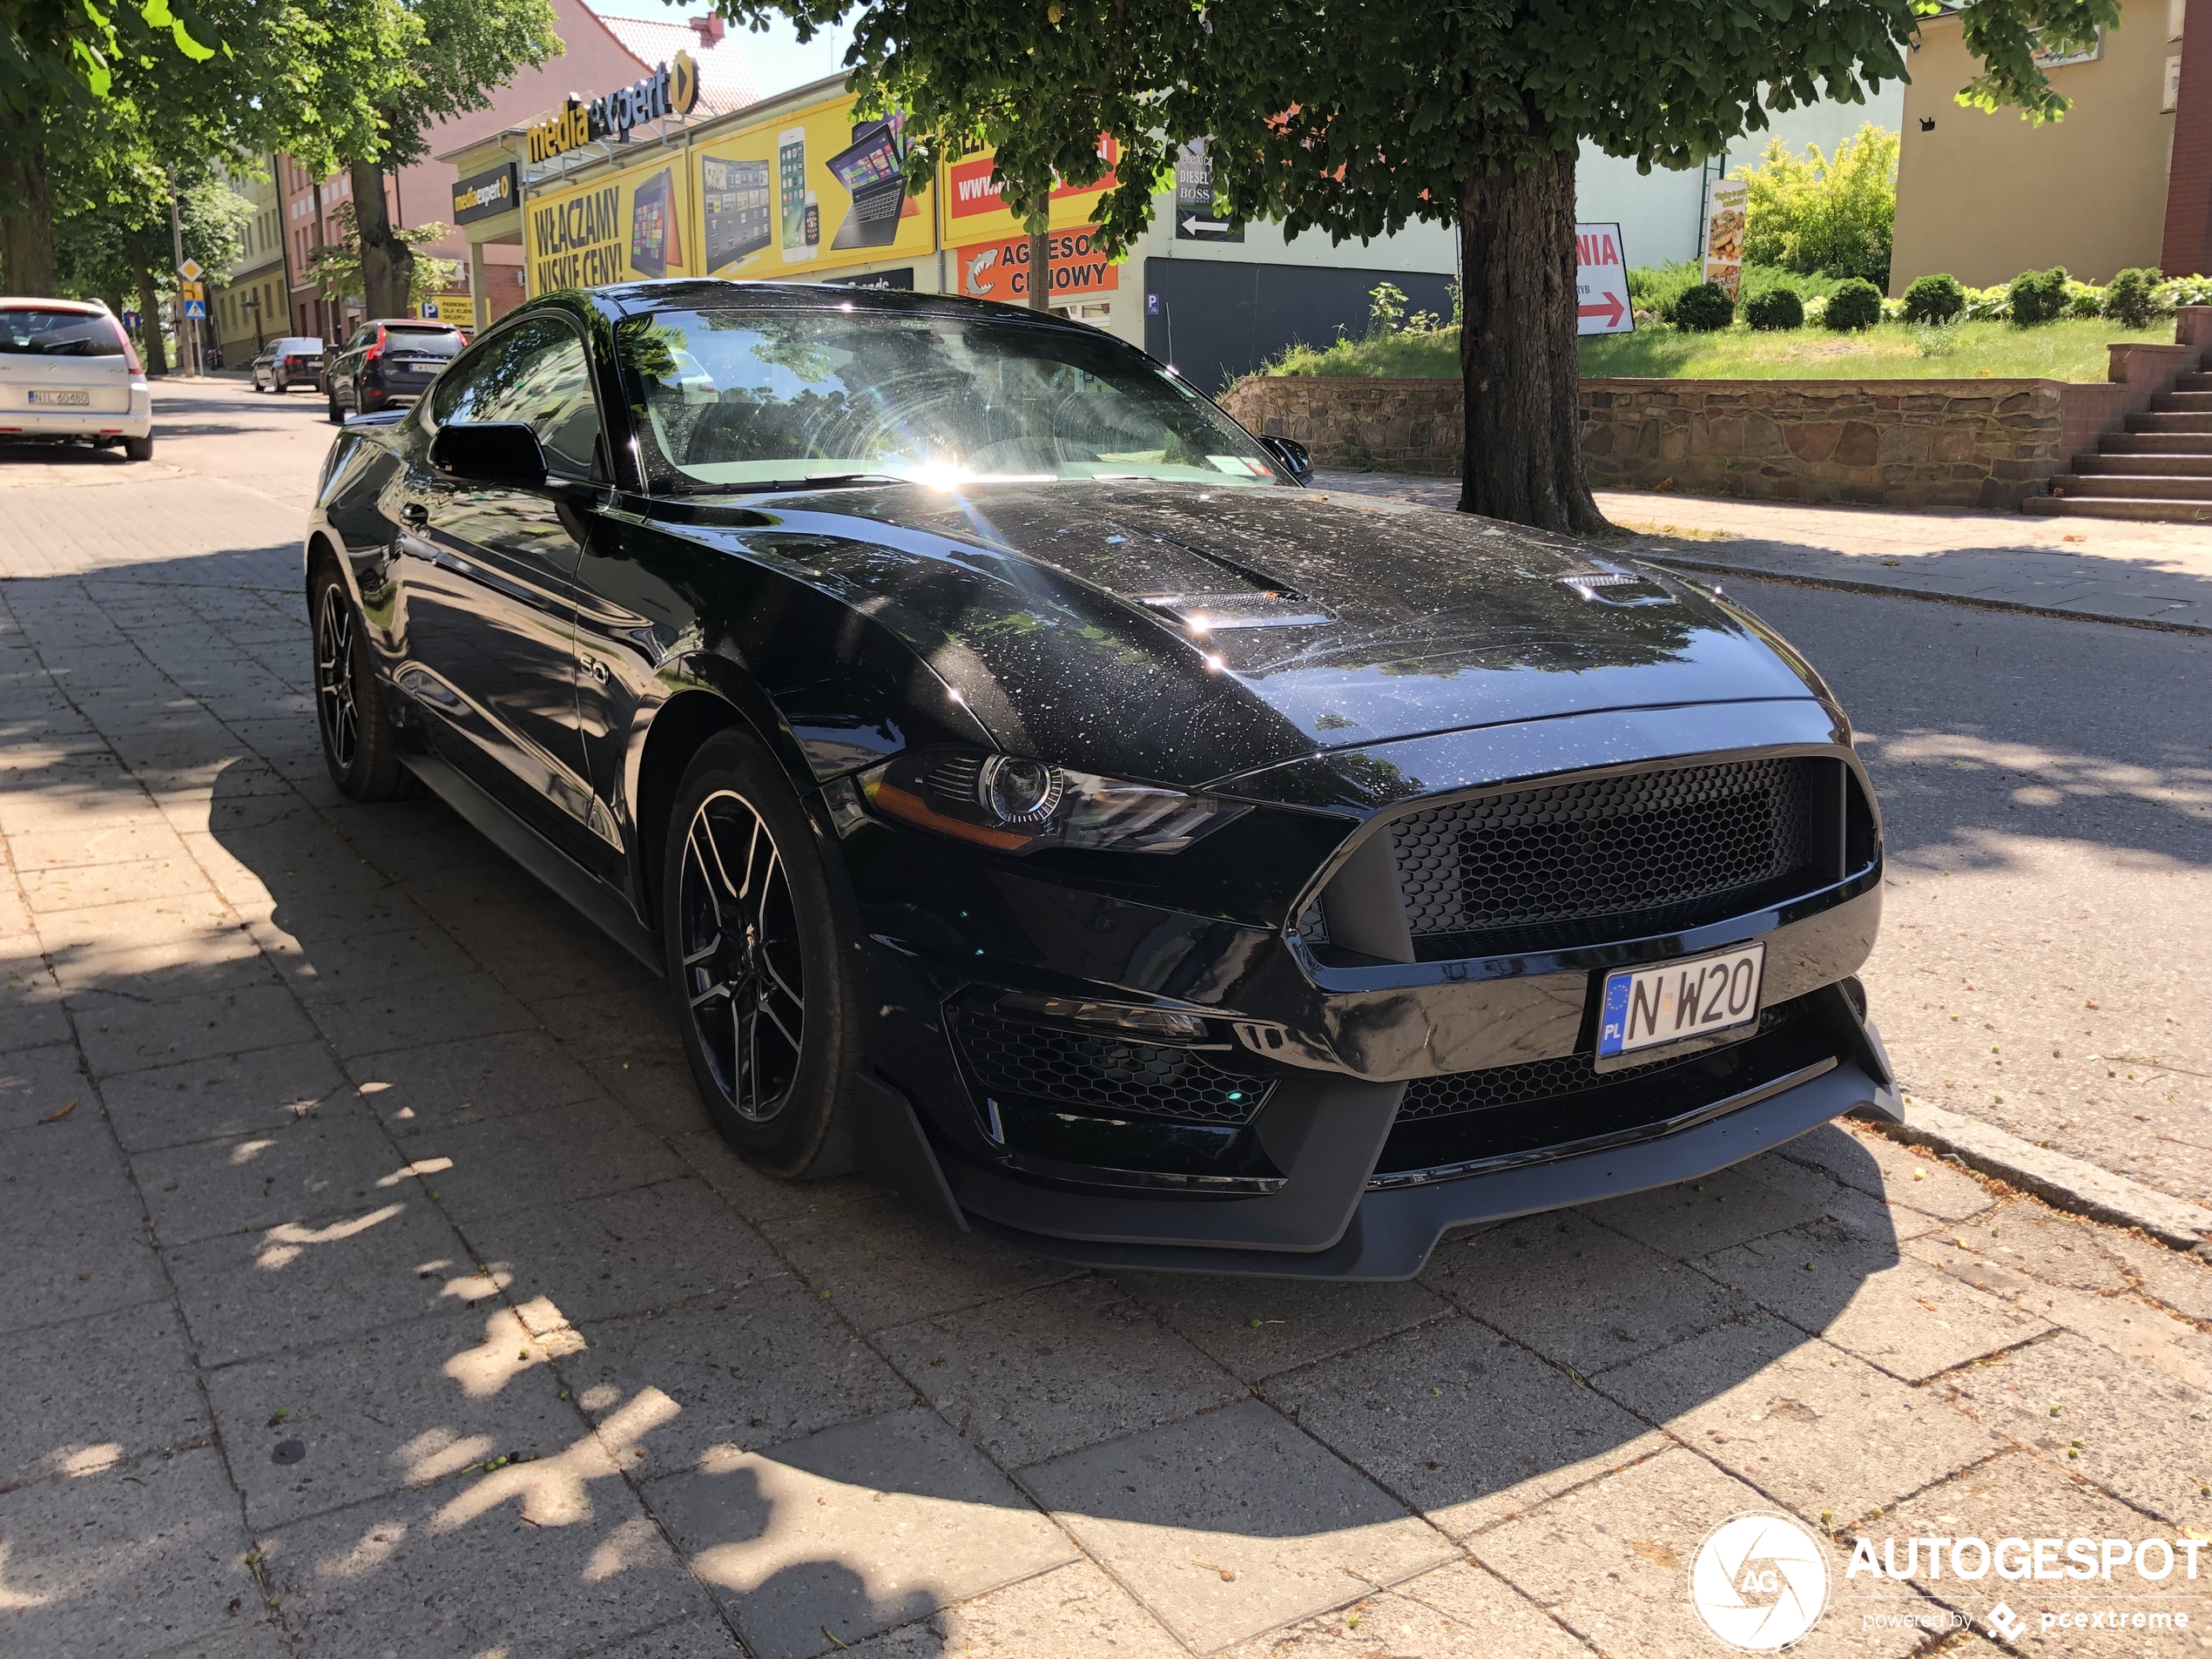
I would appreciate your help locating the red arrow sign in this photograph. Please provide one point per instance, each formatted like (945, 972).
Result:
(1611, 311)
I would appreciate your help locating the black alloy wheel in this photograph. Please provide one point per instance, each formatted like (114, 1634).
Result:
(359, 744)
(761, 993)
(335, 704)
(744, 970)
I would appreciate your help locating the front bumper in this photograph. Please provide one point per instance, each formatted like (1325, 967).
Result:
(1388, 1233)
(1391, 1099)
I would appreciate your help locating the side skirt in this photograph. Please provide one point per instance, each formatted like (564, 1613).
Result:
(598, 903)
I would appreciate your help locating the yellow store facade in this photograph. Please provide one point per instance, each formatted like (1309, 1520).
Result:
(798, 188)
(792, 189)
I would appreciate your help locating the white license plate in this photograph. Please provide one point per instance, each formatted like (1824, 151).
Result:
(64, 399)
(1697, 997)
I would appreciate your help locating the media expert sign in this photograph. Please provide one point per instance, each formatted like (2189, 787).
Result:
(483, 195)
(671, 88)
(1601, 282)
(807, 190)
(976, 212)
(612, 230)
(1001, 270)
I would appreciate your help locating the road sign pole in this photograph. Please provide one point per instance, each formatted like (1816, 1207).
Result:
(187, 342)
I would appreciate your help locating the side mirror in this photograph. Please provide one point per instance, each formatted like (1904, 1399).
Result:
(1293, 454)
(489, 452)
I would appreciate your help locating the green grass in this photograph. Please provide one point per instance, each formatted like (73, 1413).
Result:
(2058, 351)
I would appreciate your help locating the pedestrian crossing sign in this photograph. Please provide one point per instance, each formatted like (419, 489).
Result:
(195, 308)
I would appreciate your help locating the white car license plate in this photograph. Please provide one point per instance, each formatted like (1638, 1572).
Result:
(1695, 997)
(65, 400)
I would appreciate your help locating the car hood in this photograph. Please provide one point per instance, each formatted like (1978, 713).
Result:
(1188, 634)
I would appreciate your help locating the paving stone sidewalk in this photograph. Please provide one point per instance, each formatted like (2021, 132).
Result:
(378, 1288)
(2116, 572)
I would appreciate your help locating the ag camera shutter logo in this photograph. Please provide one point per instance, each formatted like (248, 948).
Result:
(1759, 1581)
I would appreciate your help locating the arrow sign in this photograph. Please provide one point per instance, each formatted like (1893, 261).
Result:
(1602, 279)
(1206, 226)
(1611, 310)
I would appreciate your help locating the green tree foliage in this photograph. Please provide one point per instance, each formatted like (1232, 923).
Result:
(1934, 298)
(337, 266)
(1824, 212)
(1776, 309)
(391, 71)
(1358, 117)
(1704, 308)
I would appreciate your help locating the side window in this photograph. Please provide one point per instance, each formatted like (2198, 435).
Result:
(537, 374)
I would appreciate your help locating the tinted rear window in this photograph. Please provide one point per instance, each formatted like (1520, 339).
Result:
(25, 331)
(435, 342)
(299, 345)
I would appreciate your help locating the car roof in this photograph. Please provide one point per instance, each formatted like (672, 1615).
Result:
(24, 302)
(672, 293)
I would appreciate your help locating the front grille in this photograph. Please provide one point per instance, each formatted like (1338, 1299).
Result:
(1055, 1066)
(1546, 1109)
(1605, 859)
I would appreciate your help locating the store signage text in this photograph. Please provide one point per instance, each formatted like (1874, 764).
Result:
(671, 88)
(578, 243)
(1001, 270)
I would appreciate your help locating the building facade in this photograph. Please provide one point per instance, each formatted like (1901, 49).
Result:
(246, 301)
(795, 188)
(1986, 196)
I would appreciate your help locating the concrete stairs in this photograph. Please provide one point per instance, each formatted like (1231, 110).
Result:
(2159, 468)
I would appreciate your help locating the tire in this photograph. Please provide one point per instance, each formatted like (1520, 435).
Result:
(337, 415)
(752, 947)
(139, 448)
(359, 743)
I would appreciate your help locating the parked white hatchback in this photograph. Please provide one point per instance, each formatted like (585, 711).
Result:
(68, 373)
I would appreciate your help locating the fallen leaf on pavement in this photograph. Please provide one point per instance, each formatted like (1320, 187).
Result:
(56, 1117)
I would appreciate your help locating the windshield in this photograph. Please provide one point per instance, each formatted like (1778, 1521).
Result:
(736, 399)
(429, 342)
(28, 333)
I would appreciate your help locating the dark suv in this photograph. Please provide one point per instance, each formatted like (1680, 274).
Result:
(388, 363)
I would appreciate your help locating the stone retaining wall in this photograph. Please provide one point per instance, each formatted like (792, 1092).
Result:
(1987, 443)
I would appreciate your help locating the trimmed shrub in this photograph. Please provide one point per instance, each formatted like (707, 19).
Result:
(1704, 308)
(1934, 298)
(1776, 308)
(2037, 296)
(2131, 298)
(1857, 304)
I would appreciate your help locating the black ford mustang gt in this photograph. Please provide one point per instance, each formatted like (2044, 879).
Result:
(1031, 793)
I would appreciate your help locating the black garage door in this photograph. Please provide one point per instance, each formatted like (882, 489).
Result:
(1215, 321)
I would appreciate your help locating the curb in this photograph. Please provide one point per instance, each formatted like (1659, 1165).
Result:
(1753, 573)
(2063, 1182)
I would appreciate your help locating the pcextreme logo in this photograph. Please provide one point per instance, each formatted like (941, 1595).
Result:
(1759, 1581)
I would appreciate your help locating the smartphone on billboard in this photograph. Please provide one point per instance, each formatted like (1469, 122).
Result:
(791, 191)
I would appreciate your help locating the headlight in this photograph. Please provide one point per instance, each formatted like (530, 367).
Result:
(1018, 805)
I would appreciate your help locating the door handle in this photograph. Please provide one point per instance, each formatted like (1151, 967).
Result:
(416, 514)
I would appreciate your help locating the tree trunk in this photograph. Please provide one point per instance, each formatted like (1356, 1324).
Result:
(26, 205)
(1518, 360)
(150, 350)
(1040, 259)
(388, 264)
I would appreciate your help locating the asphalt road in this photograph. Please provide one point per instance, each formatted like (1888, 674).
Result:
(376, 1285)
